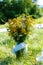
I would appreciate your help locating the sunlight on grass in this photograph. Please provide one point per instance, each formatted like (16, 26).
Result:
(2, 26)
(35, 44)
(39, 21)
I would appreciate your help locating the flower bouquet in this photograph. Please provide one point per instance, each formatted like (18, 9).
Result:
(20, 27)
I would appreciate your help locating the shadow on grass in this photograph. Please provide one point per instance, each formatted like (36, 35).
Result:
(6, 61)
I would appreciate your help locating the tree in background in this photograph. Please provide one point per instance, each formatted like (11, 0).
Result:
(13, 8)
(35, 11)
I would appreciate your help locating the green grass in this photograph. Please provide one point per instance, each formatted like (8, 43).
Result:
(2, 26)
(6, 40)
(39, 20)
(34, 47)
(35, 44)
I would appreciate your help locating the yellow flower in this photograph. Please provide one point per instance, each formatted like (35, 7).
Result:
(23, 30)
(14, 20)
(23, 23)
(13, 29)
(9, 21)
(19, 19)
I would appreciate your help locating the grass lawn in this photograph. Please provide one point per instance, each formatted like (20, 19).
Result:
(2, 26)
(35, 44)
(39, 21)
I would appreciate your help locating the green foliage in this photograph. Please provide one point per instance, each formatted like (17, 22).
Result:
(35, 11)
(3, 18)
(7, 1)
(13, 8)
